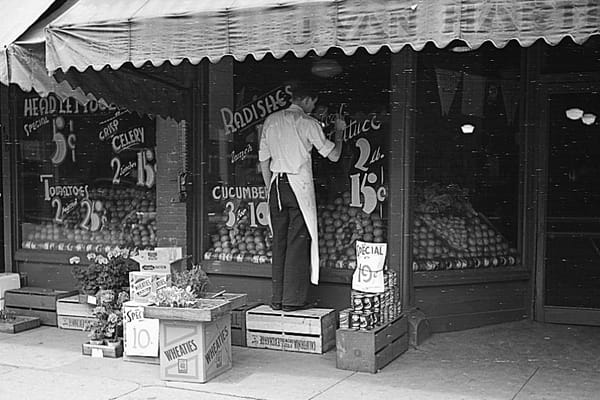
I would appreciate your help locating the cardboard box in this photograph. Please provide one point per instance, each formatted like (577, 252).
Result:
(192, 351)
(8, 281)
(162, 259)
(144, 284)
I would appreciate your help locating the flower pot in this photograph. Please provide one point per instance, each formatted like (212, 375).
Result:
(97, 342)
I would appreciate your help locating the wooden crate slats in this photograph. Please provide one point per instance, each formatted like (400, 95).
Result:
(71, 306)
(46, 317)
(19, 324)
(309, 331)
(108, 350)
(214, 309)
(286, 342)
(369, 351)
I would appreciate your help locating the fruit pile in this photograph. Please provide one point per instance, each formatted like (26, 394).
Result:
(240, 243)
(339, 227)
(119, 217)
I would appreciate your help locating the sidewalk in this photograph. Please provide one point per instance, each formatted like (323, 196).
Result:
(520, 360)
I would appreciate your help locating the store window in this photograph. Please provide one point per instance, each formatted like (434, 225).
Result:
(467, 159)
(87, 175)
(351, 194)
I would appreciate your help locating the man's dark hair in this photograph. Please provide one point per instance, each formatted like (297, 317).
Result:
(303, 89)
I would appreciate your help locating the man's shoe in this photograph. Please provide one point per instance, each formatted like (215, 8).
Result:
(275, 306)
(297, 308)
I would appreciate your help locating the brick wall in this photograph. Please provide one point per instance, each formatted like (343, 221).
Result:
(171, 214)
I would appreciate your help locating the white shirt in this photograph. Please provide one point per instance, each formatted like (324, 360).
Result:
(278, 140)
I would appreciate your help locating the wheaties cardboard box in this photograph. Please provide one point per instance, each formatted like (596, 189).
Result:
(192, 351)
(144, 284)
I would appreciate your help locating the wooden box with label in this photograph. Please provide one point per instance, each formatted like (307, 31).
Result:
(74, 314)
(305, 331)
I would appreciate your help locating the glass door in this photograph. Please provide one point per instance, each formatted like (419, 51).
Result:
(571, 281)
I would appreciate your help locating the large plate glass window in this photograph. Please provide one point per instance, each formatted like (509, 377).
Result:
(351, 194)
(467, 159)
(88, 175)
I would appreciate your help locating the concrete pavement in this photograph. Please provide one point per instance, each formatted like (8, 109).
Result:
(520, 360)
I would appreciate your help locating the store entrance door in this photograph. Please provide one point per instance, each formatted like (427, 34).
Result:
(571, 271)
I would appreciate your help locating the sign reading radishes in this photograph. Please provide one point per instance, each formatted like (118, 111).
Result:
(370, 263)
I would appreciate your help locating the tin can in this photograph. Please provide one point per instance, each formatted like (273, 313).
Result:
(376, 318)
(357, 302)
(344, 318)
(368, 303)
(366, 321)
(354, 320)
(376, 302)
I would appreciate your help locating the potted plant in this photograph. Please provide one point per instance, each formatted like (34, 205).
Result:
(107, 328)
(104, 273)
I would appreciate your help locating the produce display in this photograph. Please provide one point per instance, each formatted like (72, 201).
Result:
(339, 227)
(110, 217)
(240, 243)
(449, 234)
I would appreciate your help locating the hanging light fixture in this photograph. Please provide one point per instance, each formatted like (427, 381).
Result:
(326, 68)
(574, 113)
(588, 118)
(467, 129)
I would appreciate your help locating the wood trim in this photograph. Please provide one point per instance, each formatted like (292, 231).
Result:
(48, 256)
(571, 315)
(468, 277)
(327, 275)
(548, 85)
(403, 98)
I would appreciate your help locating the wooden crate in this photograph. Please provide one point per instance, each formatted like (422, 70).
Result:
(238, 323)
(237, 300)
(370, 351)
(19, 324)
(306, 331)
(36, 302)
(194, 351)
(110, 350)
(73, 314)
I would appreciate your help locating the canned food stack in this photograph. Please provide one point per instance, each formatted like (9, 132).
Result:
(373, 309)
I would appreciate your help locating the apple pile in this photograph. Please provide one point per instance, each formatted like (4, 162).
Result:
(122, 217)
(340, 226)
(240, 243)
(481, 246)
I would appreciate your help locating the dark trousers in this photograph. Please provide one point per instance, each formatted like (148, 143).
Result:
(291, 246)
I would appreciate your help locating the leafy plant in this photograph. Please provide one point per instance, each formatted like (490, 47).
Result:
(108, 322)
(174, 297)
(108, 273)
(194, 280)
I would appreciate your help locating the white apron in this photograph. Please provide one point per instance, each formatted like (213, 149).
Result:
(304, 188)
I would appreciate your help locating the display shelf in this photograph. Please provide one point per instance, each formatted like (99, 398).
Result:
(328, 275)
(470, 276)
(49, 256)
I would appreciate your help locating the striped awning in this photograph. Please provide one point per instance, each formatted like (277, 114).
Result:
(110, 33)
(23, 58)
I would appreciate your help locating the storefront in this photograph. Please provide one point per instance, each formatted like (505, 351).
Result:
(445, 157)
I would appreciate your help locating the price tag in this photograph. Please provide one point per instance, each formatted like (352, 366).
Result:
(370, 262)
(97, 353)
(92, 300)
(141, 337)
